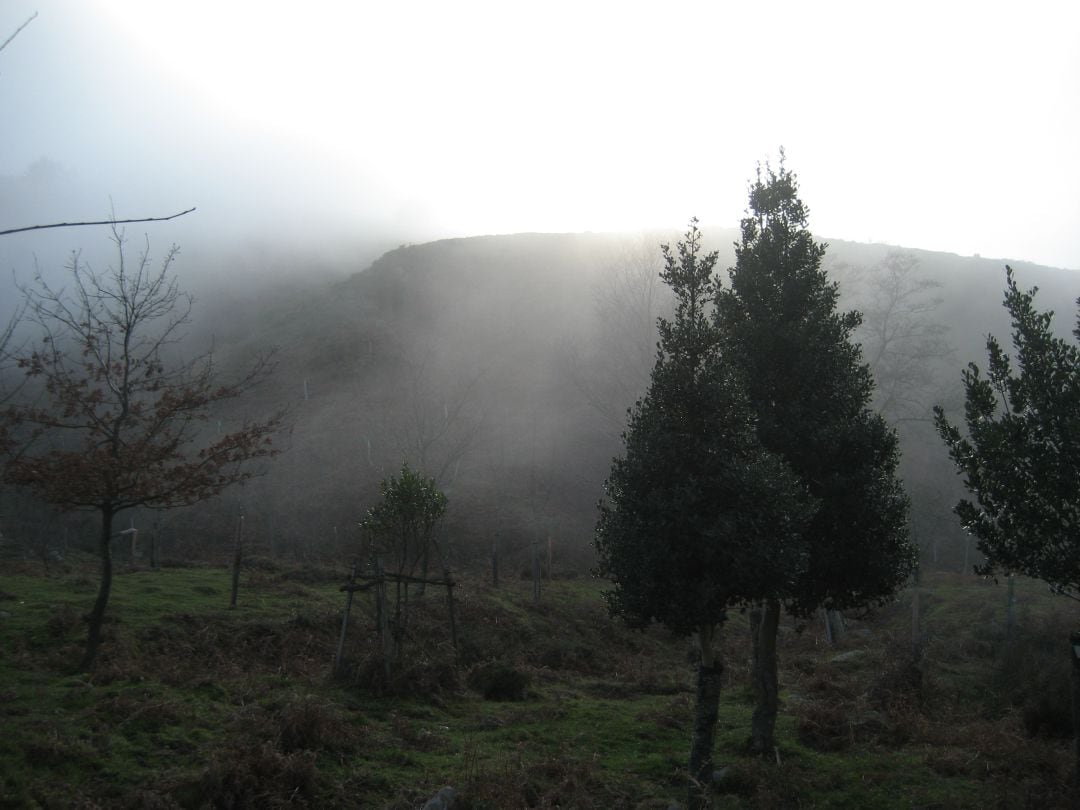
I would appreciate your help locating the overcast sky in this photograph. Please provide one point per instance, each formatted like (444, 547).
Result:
(945, 126)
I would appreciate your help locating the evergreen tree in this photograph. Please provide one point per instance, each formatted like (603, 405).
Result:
(810, 393)
(698, 516)
(1021, 457)
(402, 528)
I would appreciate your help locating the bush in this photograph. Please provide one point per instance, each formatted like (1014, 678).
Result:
(253, 776)
(823, 726)
(417, 675)
(312, 575)
(499, 681)
(258, 562)
(310, 724)
(1035, 676)
(564, 654)
(63, 620)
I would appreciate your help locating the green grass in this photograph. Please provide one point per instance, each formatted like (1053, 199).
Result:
(196, 705)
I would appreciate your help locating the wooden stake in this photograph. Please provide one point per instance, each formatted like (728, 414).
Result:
(383, 611)
(916, 631)
(344, 622)
(1010, 610)
(450, 604)
(1074, 654)
(536, 570)
(237, 556)
(134, 535)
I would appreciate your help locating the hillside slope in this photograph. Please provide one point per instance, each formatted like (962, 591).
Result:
(504, 366)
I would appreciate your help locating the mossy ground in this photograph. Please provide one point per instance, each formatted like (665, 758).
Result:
(194, 705)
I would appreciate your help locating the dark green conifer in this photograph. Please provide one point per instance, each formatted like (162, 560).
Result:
(810, 392)
(698, 516)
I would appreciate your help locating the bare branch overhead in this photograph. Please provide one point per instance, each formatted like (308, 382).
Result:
(99, 222)
(7, 41)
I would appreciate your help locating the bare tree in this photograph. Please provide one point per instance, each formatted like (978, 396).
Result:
(9, 383)
(613, 371)
(902, 341)
(434, 417)
(114, 422)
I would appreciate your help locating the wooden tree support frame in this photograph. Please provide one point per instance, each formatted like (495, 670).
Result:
(378, 582)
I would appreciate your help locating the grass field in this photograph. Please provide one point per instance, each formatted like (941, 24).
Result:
(194, 705)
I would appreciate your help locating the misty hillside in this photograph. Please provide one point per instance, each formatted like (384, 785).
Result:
(504, 366)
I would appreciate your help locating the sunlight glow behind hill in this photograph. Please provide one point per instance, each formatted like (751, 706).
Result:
(940, 127)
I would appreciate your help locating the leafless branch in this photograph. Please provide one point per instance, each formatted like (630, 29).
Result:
(98, 222)
(7, 41)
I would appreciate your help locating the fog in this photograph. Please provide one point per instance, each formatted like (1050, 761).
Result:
(337, 134)
(313, 141)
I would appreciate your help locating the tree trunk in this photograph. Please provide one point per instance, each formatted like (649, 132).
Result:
(766, 681)
(706, 711)
(97, 614)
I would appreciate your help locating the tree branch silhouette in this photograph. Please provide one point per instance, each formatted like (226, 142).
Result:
(7, 41)
(98, 222)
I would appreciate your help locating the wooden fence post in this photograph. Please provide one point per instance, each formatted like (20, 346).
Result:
(1010, 610)
(916, 630)
(385, 634)
(536, 570)
(237, 556)
(450, 604)
(1074, 649)
(345, 621)
(134, 538)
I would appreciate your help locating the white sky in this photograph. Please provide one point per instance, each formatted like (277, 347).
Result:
(939, 125)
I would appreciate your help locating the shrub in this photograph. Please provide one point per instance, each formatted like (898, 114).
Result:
(418, 676)
(309, 724)
(499, 681)
(63, 620)
(1034, 676)
(253, 776)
